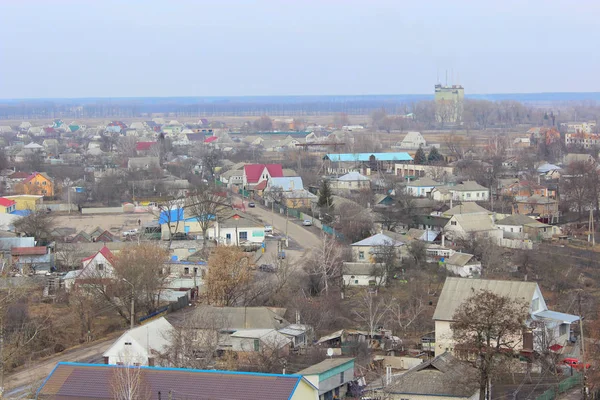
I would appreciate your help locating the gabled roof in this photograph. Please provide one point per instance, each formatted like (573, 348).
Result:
(96, 381)
(352, 177)
(287, 183)
(6, 202)
(110, 257)
(261, 186)
(468, 207)
(210, 139)
(253, 171)
(28, 251)
(326, 365)
(516, 220)
(468, 186)
(457, 290)
(234, 318)
(19, 175)
(154, 335)
(378, 240)
(460, 259)
(444, 376)
(358, 268)
(424, 182)
(34, 174)
(269, 336)
(474, 222)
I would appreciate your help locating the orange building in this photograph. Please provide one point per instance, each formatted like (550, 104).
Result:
(38, 183)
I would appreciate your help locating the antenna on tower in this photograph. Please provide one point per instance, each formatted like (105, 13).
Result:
(446, 77)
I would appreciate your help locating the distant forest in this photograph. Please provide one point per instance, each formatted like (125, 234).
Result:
(250, 105)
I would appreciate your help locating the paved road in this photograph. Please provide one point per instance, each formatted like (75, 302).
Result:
(305, 237)
(19, 382)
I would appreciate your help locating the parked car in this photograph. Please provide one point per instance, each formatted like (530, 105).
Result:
(268, 229)
(251, 204)
(267, 268)
(131, 232)
(180, 236)
(307, 222)
(281, 255)
(575, 363)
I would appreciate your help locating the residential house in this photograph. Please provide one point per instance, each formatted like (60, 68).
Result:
(464, 265)
(286, 184)
(144, 148)
(253, 140)
(238, 229)
(27, 202)
(254, 174)
(579, 127)
(299, 199)
(462, 226)
(36, 260)
(466, 208)
(421, 187)
(457, 290)
(38, 183)
(7, 206)
(519, 226)
(442, 378)
(233, 178)
(260, 340)
(543, 207)
(382, 200)
(582, 139)
(143, 163)
(367, 250)
(363, 274)
(524, 189)
(98, 266)
(299, 334)
(549, 171)
(331, 377)
(96, 381)
(141, 345)
(412, 141)
(350, 181)
(412, 171)
(466, 191)
(431, 222)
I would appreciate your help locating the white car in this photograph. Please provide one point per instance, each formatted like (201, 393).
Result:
(131, 232)
(307, 222)
(268, 229)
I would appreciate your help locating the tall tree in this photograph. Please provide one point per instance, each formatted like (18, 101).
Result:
(420, 157)
(434, 156)
(38, 224)
(488, 326)
(228, 277)
(325, 200)
(206, 205)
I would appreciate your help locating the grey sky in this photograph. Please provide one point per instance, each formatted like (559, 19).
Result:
(106, 48)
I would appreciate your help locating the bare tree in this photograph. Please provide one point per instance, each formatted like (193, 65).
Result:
(324, 267)
(488, 326)
(229, 277)
(206, 205)
(128, 383)
(371, 311)
(38, 224)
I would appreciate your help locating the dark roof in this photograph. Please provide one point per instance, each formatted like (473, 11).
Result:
(96, 381)
(431, 220)
(444, 375)
(235, 318)
(195, 137)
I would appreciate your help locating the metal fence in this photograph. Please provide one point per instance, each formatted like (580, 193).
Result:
(563, 386)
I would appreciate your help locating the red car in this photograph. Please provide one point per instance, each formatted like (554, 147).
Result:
(575, 363)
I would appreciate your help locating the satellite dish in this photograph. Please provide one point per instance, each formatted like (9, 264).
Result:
(330, 352)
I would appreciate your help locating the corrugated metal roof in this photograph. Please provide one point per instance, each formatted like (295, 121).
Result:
(96, 381)
(457, 290)
(378, 240)
(557, 316)
(326, 365)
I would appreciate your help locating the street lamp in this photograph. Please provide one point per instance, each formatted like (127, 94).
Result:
(132, 319)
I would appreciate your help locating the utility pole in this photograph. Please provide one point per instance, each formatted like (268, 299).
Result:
(1, 357)
(584, 380)
(287, 218)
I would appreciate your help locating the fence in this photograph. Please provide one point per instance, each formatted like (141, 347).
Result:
(102, 210)
(563, 386)
(330, 231)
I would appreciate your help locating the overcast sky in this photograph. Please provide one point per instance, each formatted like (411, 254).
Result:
(122, 48)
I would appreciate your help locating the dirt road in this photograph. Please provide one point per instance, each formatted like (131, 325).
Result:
(21, 381)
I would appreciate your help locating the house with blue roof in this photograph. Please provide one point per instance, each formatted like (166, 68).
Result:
(365, 163)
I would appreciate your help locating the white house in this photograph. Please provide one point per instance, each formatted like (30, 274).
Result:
(351, 181)
(463, 225)
(362, 274)
(249, 340)
(139, 346)
(412, 141)
(238, 229)
(99, 265)
(466, 191)
(464, 265)
(422, 187)
(365, 251)
(457, 290)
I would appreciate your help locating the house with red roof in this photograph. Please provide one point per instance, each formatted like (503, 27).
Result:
(255, 174)
(35, 259)
(211, 139)
(143, 148)
(99, 265)
(7, 206)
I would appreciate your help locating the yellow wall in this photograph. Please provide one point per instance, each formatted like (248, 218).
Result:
(305, 391)
(36, 186)
(25, 202)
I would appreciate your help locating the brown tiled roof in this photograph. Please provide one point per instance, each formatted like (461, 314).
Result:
(92, 381)
(28, 251)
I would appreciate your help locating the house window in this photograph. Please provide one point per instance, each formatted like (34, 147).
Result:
(100, 267)
(511, 229)
(243, 235)
(562, 330)
(453, 223)
(186, 271)
(195, 271)
(468, 195)
(44, 183)
(341, 377)
(256, 345)
(361, 255)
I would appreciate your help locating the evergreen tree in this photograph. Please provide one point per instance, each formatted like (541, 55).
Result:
(325, 196)
(434, 156)
(420, 157)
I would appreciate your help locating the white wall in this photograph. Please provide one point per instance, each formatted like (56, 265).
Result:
(363, 280)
